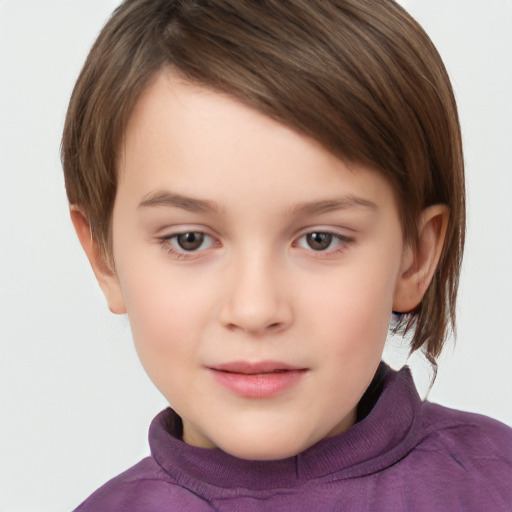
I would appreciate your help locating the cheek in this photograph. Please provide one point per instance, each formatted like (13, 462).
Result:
(158, 296)
(353, 309)
(168, 313)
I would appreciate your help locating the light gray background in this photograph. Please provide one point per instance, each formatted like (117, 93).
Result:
(75, 404)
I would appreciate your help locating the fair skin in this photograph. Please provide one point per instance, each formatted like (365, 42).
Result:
(265, 324)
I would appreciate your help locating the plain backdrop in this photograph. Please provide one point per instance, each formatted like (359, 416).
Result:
(75, 404)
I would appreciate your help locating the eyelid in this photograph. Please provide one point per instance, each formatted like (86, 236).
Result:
(337, 231)
(204, 238)
(172, 230)
(336, 236)
(343, 241)
(170, 234)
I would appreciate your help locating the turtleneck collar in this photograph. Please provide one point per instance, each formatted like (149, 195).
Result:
(385, 435)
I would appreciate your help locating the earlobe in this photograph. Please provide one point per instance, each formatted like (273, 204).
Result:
(420, 262)
(105, 275)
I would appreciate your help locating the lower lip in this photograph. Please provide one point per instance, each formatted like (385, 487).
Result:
(258, 385)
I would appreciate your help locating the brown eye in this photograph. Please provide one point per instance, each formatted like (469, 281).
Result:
(190, 241)
(319, 241)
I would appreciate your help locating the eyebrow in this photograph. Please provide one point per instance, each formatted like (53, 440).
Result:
(328, 205)
(191, 204)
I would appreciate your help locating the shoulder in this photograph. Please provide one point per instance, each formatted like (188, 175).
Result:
(456, 461)
(470, 435)
(145, 486)
(468, 454)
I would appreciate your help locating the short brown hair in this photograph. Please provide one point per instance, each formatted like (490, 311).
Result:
(359, 76)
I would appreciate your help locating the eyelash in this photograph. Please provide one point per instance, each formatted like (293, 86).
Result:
(168, 243)
(342, 243)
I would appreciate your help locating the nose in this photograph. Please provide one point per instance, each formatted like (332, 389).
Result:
(256, 300)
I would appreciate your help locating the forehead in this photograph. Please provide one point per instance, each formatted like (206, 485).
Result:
(194, 141)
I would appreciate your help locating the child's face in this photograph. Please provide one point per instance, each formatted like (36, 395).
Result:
(258, 271)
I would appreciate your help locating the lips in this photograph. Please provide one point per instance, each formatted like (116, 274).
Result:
(257, 380)
(249, 368)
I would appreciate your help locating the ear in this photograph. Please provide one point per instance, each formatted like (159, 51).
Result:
(420, 262)
(105, 275)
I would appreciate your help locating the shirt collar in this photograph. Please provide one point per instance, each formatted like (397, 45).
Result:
(387, 433)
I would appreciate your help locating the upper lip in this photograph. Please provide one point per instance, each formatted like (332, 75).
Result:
(250, 368)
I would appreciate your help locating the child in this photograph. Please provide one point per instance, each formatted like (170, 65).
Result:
(261, 186)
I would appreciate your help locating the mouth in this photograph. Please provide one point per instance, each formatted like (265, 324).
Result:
(257, 380)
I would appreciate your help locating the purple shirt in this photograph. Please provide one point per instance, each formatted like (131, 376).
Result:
(405, 455)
